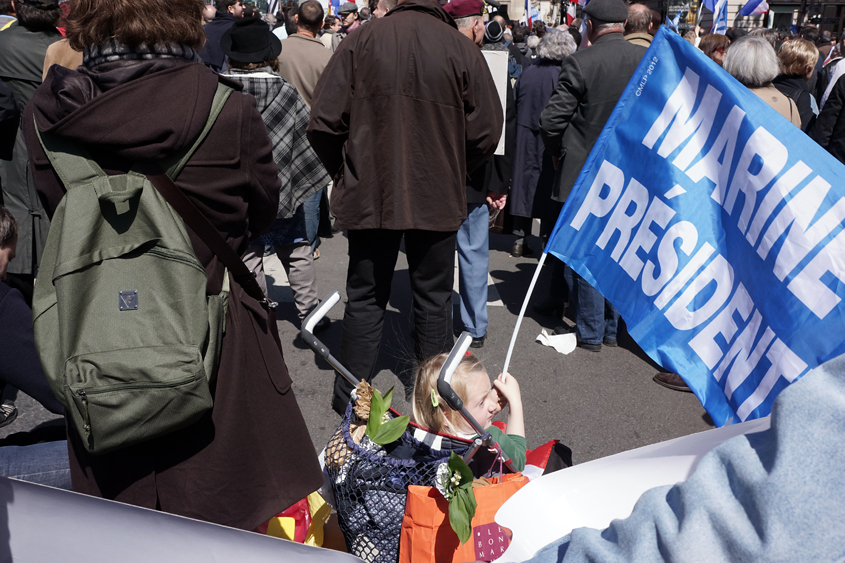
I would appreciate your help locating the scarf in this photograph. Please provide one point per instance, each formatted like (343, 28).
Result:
(94, 55)
(286, 116)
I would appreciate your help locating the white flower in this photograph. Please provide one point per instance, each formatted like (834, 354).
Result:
(443, 480)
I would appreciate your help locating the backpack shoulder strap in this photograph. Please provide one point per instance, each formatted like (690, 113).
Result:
(220, 96)
(71, 161)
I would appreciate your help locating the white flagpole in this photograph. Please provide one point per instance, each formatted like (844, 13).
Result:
(522, 314)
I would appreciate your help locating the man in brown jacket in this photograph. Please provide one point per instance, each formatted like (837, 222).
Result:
(404, 111)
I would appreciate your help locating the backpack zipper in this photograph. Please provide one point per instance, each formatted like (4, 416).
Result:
(176, 257)
(86, 420)
(125, 386)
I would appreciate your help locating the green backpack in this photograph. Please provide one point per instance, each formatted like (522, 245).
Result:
(127, 336)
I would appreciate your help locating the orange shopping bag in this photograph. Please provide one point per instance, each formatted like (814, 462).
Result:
(427, 536)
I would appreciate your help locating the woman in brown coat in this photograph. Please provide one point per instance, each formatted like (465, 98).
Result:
(141, 95)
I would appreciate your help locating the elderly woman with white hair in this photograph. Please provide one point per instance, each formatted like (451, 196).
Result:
(753, 61)
(533, 176)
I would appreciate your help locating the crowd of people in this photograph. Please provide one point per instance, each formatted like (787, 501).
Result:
(381, 122)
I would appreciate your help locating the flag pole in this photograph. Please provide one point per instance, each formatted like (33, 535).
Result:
(522, 314)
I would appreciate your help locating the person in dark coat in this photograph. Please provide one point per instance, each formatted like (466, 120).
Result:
(228, 12)
(533, 172)
(23, 46)
(533, 176)
(10, 119)
(139, 98)
(400, 139)
(591, 82)
(797, 61)
(829, 127)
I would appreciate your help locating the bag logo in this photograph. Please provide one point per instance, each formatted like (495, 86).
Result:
(128, 300)
(490, 540)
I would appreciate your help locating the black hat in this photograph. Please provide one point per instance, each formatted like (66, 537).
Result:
(610, 11)
(493, 32)
(250, 40)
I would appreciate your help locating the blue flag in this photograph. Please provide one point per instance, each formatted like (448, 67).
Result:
(715, 227)
(673, 25)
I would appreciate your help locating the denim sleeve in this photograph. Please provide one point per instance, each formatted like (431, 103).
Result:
(775, 495)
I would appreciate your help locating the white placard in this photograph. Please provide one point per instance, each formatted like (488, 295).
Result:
(498, 63)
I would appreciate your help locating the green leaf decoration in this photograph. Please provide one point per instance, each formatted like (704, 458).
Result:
(461, 511)
(377, 411)
(462, 505)
(391, 430)
(387, 432)
(388, 397)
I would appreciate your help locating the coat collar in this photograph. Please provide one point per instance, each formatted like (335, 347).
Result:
(426, 6)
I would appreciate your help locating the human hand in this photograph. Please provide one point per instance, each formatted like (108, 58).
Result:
(497, 201)
(507, 389)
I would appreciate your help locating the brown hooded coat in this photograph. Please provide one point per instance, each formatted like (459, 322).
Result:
(251, 457)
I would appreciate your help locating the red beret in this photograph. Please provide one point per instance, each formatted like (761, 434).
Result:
(464, 8)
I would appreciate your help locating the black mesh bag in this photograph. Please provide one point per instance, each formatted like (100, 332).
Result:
(370, 484)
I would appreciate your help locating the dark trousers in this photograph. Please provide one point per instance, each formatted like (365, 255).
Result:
(372, 260)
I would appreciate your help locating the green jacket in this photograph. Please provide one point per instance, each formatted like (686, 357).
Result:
(514, 446)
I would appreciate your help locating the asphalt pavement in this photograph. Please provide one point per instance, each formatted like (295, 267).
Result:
(598, 404)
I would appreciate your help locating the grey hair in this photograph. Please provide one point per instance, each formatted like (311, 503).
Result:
(467, 21)
(752, 61)
(532, 41)
(8, 227)
(556, 45)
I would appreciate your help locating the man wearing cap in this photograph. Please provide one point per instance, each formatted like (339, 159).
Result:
(487, 185)
(23, 46)
(405, 109)
(228, 12)
(348, 13)
(591, 82)
(304, 56)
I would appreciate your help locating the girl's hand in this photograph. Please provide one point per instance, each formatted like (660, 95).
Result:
(508, 391)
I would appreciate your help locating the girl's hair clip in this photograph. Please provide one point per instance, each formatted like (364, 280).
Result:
(434, 402)
(467, 353)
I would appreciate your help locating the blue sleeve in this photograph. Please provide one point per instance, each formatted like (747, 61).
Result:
(770, 496)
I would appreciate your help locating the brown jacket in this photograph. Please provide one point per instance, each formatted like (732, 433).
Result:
(251, 457)
(301, 63)
(404, 110)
